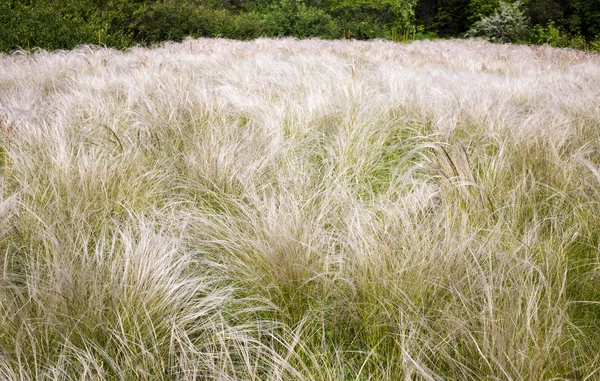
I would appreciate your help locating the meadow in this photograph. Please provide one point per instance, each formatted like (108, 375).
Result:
(300, 210)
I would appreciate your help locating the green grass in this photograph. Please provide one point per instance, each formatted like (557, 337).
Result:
(300, 210)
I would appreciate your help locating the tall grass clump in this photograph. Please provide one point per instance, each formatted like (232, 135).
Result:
(300, 210)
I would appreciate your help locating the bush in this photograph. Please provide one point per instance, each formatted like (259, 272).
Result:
(242, 26)
(295, 18)
(557, 37)
(173, 21)
(367, 19)
(47, 25)
(507, 25)
(549, 34)
(313, 22)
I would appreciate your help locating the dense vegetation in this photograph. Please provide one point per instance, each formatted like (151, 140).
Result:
(63, 24)
(307, 210)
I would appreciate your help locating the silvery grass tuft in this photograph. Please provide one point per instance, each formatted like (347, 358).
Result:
(300, 210)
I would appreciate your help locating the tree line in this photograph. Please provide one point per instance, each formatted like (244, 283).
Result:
(63, 24)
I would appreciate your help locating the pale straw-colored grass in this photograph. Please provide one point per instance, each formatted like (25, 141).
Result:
(311, 210)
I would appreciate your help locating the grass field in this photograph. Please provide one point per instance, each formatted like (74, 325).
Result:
(300, 210)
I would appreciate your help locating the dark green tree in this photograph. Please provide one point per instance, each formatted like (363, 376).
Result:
(540, 12)
(451, 18)
(583, 17)
(372, 18)
(296, 18)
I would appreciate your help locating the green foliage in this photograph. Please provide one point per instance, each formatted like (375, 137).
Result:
(174, 20)
(295, 18)
(373, 18)
(118, 19)
(455, 17)
(479, 9)
(509, 24)
(577, 20)
(242, 26)
(117, 23)
(558, 37)
(543, 11)
(545, 35)
(552, 35)
(451, 18)
(63, 24)
(584, 18)
(595, 45)
(58, 25)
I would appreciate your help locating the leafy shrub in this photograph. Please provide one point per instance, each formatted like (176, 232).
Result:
(478, 9)
(13, 25)
(315, 22)
(365, 29)
(509, 24)
(557, 37)
(173, 21)
(546, 35)
(119, 21)
(295, 18)
(367, 19)
(242, 26)
(48, 25)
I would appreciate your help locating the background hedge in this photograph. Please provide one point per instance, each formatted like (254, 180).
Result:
(63, 24)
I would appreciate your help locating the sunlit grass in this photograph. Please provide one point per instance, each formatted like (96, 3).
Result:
(311, 210)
